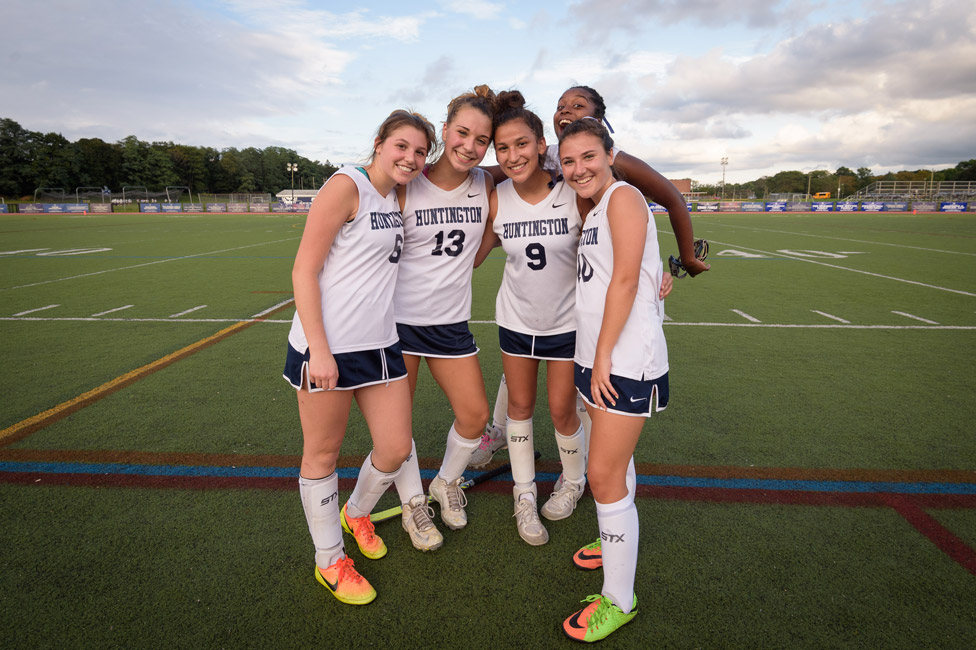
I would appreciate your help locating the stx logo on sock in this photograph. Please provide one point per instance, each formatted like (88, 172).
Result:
(518, 438)
(332, 497)
(610, 537)
(569, 451)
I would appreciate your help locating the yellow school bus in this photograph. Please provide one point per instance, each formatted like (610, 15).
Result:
(822, 195)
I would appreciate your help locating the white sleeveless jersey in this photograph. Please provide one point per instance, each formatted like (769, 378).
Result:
(640, 352)
(537, 290)
(442, 232)
(359, 275)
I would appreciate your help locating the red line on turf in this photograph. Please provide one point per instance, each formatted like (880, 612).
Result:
(938, 534)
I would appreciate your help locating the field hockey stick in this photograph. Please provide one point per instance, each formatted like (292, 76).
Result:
(504, 468)
(678, 269)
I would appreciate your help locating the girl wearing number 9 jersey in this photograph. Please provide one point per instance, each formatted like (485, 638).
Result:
(537, 222)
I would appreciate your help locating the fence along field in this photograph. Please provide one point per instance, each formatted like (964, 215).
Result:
(812, 483)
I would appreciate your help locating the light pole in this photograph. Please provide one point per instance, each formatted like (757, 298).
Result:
(292, 167)
(725, 161)
(809, 177)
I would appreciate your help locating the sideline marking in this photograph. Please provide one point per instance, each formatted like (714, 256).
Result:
(37, 422)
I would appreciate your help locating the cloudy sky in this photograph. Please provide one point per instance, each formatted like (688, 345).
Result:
(773, 86)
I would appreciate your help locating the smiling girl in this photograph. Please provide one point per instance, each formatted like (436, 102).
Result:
(343, 345)
(621, 359)
(445, 210)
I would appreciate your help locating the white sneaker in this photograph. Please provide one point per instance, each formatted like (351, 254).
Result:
(492, 440)
(452, 500)
(530, 528)
(416, 520)
(563, 500)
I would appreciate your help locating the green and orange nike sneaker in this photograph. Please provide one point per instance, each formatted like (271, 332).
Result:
(597, 620)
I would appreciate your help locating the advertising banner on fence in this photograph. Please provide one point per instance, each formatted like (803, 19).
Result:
(258, 207)
(872, 206)
(952, 206)
(896, 206)
(924, 206)
(822, 206)
(3, 207)
(171, 207)
(63, 208)
(753, 206)
(193, 207)
(237, 207)
(149, 207)
(101, 208)
(846, 206)
(775, 206)
(30, 208)
(216, 207)
(799, 206)
(729, 206)
(655, 207)
(708, 206)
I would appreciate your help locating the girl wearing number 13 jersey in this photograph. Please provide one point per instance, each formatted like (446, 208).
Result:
(444, 214)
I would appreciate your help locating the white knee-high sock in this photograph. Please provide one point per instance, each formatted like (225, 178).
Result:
(407, 482)
(631, 480)
(320, 500)
(587, 424)
(572, 454)
(499, 417)
(619, 530)
(370, 486)
(521, 452)
(456, 455)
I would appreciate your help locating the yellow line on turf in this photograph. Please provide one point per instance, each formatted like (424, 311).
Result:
(41, 420)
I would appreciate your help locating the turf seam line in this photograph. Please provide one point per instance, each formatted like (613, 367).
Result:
(37, 422)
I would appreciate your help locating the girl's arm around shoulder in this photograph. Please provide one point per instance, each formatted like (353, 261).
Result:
(489, 239)
(663, 192)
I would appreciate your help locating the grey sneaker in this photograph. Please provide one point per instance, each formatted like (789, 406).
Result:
(492, 440)
(452, 500)
(417, 522)
(530, 528)
(563, 500)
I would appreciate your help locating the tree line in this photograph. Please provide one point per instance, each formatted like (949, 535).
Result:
(30, 159)
(840, 183)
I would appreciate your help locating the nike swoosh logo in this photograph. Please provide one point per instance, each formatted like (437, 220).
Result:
(574, 620)
(635, 401)
(471, 196)
(554, 206)
(331, 585)
(587, 556)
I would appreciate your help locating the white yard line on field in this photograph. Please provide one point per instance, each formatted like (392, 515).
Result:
(187, 311)
(825, 314)
(847, 239)
(918, 318)
(31, 311)
(136, 266)
(111, 311)
(746, 316)
(844, 268)
(279, 321)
